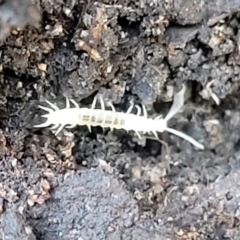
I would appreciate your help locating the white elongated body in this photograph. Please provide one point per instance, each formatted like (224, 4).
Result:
(71, 117)
(91, 117)
(119, 120)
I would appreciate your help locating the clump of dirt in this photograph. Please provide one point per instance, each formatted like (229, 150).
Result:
(15, 14)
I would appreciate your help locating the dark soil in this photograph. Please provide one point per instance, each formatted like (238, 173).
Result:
(109, 184)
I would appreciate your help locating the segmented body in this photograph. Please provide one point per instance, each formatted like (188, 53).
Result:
(91, 117)
(120, 120)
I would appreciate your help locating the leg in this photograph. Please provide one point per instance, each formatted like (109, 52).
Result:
(67, 103)
(158, 117)
(70, 126)
(74, 103)
(89, 128)
(59, 129)
(102, 103)
(94, 103)
(155, 135)
(52, 105)
(112, 107)
(45, 109)
(144, 111)
(130, 108)
(138, 134)
(103, 109)
(138, 110)
(54, 127)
